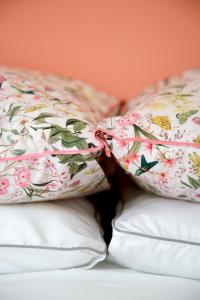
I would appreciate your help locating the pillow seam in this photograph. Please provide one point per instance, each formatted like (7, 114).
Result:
(53, 248)
(155, 237)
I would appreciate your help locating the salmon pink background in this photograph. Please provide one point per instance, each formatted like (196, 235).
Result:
(118, 45)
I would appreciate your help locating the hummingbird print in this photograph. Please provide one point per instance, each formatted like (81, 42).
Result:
(145, 166)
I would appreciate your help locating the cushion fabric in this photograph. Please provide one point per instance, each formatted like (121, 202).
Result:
(48, 147)
(157, 140)
(157, 235)
(49, 235)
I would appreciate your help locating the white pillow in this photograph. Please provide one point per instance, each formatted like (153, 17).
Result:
(48, 236)
(158, 235)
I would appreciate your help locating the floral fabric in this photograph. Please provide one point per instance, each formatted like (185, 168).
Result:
(47, 145)
(158, 139)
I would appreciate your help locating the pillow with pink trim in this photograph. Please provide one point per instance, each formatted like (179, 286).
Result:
(48, 149)
(157, 140)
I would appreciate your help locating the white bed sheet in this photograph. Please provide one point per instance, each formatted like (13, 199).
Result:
(105, 281)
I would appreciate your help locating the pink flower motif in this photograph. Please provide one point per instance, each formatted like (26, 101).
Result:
(137, 116)
(48, 88)
(122, 144)
(54, 186)
(129, 120)
(48, 164)
(163, 177)
(169, 162)
(4, 184)
(149, 147)
(131, 157)
(59, 184)
(22, 177)
(196, 120)
(36, 98)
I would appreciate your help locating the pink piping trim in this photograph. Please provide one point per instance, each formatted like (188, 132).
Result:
(143, 140)
(102, 145)
(50, 152)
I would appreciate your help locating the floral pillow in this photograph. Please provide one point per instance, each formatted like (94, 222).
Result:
(48, 148)
(158, 139)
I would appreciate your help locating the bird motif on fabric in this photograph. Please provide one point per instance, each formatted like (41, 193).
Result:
(145, 166)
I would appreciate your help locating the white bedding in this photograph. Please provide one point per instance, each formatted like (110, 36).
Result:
(105, 281)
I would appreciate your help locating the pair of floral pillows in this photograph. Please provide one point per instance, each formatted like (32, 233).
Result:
(53, 131)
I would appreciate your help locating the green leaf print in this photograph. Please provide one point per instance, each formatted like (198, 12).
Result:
(184, 116)
(136, 145)
(76, 168)
(15, 131)
(52, 140)
(56, 130)
(195, 183)
(30, 92)
(19, 151)
(77, 124)
(186, 184)
(12, 111)
(185, 95)
(43, 116)
(145, 133)
(69, 143)
(71, 122)
(67, 138)
(82, 144)
(42, 184)
(29, 192)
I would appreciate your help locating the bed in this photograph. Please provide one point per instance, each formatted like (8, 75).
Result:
(105, 281)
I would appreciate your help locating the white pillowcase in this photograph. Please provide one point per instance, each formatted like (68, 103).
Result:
(157, 235)
(48, 236)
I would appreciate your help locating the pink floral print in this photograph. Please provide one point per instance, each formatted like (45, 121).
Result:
(129, 120)
(168, 114)
(48, 148)
(4, 184)
(22, 177)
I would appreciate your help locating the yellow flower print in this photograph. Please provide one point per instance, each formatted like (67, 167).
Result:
(195, 158)
(162, 121)
(197, 140)
(35, 107)
(156, 106)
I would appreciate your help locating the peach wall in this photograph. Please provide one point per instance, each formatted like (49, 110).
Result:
(118, 45)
